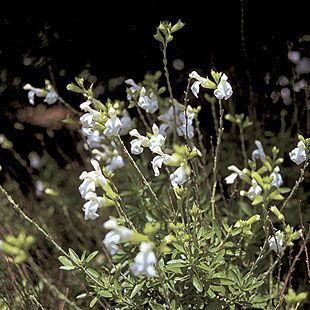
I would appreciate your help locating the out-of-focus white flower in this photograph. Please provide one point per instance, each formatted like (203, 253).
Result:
(224, 89)
(298, 86)
(39, 185)
(115, 236)
(116, 163)
(259, 152)
(138, 144)
(303, 66)
(298, 155)
(277, 178)
(277, 242)
(113, 124)
(178, 177)
(126, 122)
(92, 205)
(148, 103)
(35, 160)
(293, 56)
(283, 80)
(51, 97)
(232, 177)
(254, 190)
(91, 180)
(134, 87)
(157, 139)
(144, 261)
(94, 140)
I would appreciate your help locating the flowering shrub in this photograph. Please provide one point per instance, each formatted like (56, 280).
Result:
(177, 236)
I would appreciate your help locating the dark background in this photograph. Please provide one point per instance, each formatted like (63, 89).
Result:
(115, 38)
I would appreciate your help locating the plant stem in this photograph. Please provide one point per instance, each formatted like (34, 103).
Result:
(144, 181)
(245, 158)
(216, 158)
(294, 189)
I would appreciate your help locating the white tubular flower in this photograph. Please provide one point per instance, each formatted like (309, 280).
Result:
(134, 87)
(196, 85)
(277, 178)
(91, 180)
(116, 163)
(157, 139)
(157, 162)
(115, 236)
(178, 177)
(113, 124)
(298, 155)
(94, 140)
(126, 123)
(144, 261)
(138, 144)
(111, 241)
(277, 243)
(33, 91)
(232, 177)
(92, 205)
(148, 103)
(186, 128)
(254, 190)
(259, 152)
(224, 89)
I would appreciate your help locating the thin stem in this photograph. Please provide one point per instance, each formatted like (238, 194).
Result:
(294, 189)
(244, 156)
(144, 181)
(165, 62)
(45, 234)
(216, 158)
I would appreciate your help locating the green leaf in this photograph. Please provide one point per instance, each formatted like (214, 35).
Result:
(197, 284)
(93, 272)
(65, 261)
(67, 268)
(255, 285)
(275, 195)
(258, 179)
(177, 26)
(74, 256)
(93, 302)
(155, 306)
(159, 37)
(137, 289)
(257, 200)
(217, 228)
(74, 88)
(91, 256)
(218, 258)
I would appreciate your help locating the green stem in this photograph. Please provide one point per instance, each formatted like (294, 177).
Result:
(216, 158)
(45, 234)
(165, 62)
(143, 179)
(294, 189)
(245, 158)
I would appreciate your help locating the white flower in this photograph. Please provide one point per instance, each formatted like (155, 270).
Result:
(298, 155)
(178, 177)
(91, 180)
(144, 261)
(277, 178)
(134, 87)
(113, 124)
(158, 160)
(196, 85)
(126, 123)
(115, 236)
(259, 152)
(33, 91)
(148, 103)
(293, 56)
(116, 163)
(91, 206)
(254, 190)
(111, 241)
(224, 89)
(232, 177)
(51, 97)
(157, 139)
(277, 243)
(94, 140)
(138, 144)
(186, 128)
